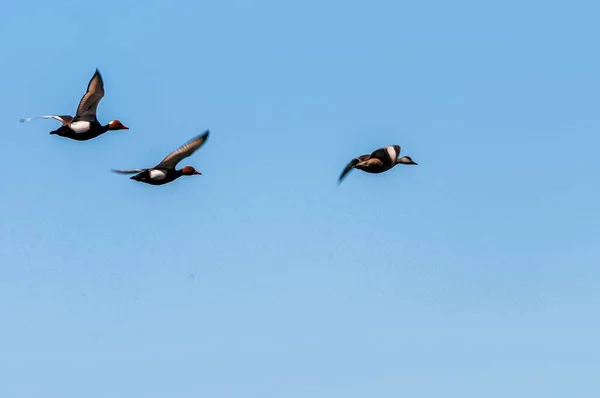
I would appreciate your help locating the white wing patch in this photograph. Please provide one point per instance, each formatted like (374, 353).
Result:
(391, 152)
(80, 127)
(157, 175)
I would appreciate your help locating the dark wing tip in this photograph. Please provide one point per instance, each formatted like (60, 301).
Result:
(347, 169)
(96, 75)
(341, 177)
(201, 137)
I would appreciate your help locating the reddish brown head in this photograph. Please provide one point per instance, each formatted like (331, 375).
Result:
(116, 125)
(189, 171)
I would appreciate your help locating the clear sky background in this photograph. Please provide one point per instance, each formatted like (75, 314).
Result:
(474, 274)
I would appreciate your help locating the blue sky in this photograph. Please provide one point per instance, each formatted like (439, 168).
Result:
(472, 274)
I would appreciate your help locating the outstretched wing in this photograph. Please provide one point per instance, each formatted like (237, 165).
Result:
(387, 154)
(89, 102)
(132, 171)
(64, 119)
(171, 160)
(351, 165)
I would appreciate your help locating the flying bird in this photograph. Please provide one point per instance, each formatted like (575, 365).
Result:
(380, 160)
(165, 171)
(84, 126)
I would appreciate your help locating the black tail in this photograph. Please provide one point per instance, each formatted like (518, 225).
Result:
(59, 130)
(140, 176)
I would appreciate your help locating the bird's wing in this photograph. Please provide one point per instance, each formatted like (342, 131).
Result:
(387, 154)
(132, 171)
(351, 165)
(64, 119)
(171, 160)
(89, 102)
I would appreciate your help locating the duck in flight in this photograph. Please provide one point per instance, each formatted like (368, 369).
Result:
(380, 160)
(84, 126)
(165, 171)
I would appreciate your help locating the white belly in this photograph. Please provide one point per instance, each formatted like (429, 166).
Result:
(157, 174)
(392, 152)
(80, 127)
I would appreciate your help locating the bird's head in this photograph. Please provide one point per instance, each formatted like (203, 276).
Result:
(117, 125)
(189, 171)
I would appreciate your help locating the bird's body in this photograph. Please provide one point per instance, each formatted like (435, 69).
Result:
(157, 176)
(165, 171)
(81, 131)
(379, 161)
(84, 126)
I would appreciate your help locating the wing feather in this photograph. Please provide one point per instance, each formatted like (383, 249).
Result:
(64, 119)
(172, 159)
(351, 165)
(132, 171)
(89, 102)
